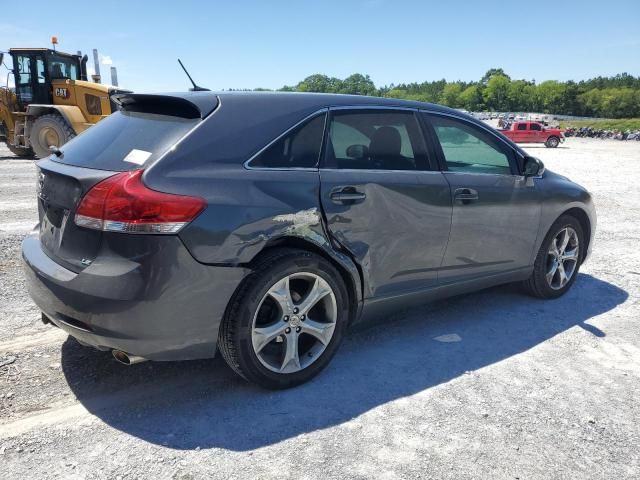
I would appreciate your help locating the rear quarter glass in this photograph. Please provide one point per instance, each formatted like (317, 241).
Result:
(125, 141)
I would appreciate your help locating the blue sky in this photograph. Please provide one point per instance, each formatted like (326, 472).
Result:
(246, 44)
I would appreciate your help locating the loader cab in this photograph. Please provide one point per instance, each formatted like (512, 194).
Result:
(34, 70)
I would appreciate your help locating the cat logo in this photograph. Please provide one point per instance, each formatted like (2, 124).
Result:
(62, 92)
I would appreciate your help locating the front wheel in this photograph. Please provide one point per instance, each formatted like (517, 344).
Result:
(552, 142)
(558, 261)
(286, 321)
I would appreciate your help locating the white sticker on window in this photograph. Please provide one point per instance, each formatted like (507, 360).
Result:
(137, 156)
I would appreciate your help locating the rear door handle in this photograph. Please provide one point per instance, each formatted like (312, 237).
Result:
(347, 195)
(465, 195)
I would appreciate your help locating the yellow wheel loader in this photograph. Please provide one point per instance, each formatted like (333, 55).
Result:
(52, 101)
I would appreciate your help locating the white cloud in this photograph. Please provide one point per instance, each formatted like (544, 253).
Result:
(106, 60)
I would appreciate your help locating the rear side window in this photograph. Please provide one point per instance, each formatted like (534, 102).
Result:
(522, 126)
(299, 148)
(367, 140)
(125, 141)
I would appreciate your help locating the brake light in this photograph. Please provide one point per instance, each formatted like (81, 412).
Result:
(122, 203)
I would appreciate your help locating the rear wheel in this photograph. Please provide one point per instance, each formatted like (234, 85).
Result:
(49, 130)
(558, 261)
(286, 321)
(552, 142)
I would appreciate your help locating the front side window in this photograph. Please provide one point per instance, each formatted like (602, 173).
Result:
(469, 149)
(536, 126)
(384, 140)
(300, 148)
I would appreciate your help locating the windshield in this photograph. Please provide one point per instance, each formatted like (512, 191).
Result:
(63, 67)
(125, 141)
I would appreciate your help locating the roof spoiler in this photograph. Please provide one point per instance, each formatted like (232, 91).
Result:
(176, 105)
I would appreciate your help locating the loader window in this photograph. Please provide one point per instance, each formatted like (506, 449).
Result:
(42, 77)
(63, 67)
(24, 89)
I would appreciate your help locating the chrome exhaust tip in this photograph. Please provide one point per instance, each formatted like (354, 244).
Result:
(126, 359)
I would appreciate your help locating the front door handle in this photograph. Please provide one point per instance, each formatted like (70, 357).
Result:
(465, 195)
(348, 195)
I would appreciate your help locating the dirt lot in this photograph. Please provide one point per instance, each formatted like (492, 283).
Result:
(532, 389)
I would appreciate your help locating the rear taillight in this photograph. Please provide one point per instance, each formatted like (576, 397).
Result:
(122, 203)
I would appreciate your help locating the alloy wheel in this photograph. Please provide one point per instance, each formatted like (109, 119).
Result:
(294, 322)
(562, 258)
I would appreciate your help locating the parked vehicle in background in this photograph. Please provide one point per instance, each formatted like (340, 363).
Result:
(265, 224)
(533, 132)
(602, 134)
(52, 101)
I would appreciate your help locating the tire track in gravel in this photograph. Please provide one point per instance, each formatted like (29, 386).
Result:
(19, 344)
(110, 390)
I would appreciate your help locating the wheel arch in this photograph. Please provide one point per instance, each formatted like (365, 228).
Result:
(70, 113)
(347, 269)
(581, 216)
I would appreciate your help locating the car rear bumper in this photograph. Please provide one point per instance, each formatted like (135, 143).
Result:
(156, 301)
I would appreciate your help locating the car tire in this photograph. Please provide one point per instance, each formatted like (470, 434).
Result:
(552, 142)
(49, 130)
(546, 279)
(254, 310)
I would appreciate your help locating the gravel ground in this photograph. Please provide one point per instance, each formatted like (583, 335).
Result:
(526, 389)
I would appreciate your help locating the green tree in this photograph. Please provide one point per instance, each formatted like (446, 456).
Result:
(492, 72)
(496, 93)
(520, 95)
(591, 102)
(358, 84)
(614, 97)
(450, 95)
(471, 98)
(320, 84)
(550, 96)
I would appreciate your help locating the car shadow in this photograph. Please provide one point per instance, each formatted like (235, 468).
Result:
(202, 404)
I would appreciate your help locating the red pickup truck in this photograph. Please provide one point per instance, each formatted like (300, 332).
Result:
(534, 132)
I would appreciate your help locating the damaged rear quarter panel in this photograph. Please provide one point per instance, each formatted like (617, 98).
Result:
(250, 208)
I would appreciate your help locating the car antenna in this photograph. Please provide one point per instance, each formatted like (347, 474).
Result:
(195, 88)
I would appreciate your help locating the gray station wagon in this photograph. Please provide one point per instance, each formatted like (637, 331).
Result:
(263, 225)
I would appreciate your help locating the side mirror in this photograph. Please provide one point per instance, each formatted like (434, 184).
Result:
(533, 167)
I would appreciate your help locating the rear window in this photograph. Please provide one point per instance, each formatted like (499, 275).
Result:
(125, 141)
